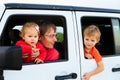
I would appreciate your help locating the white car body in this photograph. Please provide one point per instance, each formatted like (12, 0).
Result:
(75, 62)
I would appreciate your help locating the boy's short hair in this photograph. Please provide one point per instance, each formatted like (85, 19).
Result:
(92, 30)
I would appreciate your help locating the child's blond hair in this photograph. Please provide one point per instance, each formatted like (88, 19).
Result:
(29, 25)
(92, 30)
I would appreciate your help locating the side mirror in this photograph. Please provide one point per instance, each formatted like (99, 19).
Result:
(10, 58)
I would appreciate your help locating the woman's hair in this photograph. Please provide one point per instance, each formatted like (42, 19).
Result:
(29, 25)
(92, 30)
(46, 25)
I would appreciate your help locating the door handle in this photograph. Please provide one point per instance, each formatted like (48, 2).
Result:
(69, 76)
(115, 69)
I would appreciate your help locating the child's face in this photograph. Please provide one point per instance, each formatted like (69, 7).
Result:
(90, 41)
(31, 37)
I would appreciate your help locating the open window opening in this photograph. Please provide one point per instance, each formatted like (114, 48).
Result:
(19, 20)
(108, 45)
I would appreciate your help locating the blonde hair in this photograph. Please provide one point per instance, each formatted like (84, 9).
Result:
(92, 30)
(29, 25)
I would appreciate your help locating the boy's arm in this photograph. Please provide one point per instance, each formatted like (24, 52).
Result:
(100, 68)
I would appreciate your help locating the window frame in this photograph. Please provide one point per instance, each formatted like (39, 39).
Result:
(20, 19)
(96, 21)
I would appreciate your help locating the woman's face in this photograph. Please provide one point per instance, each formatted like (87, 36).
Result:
(49, 38)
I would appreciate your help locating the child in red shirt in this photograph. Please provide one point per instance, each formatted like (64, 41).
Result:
(91, 37)
(30, 34)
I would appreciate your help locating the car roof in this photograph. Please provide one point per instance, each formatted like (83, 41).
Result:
(106, 4)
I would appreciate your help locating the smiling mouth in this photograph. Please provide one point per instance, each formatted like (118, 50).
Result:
(89, 45)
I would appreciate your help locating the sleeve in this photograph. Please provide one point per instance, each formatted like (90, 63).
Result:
(43, 52)
(97, 55)
(26, 49)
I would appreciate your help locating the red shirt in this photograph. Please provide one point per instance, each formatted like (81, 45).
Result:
(26, 48)
(95, 53)
(52, 54)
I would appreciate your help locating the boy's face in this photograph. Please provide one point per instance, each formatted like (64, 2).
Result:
(31, 37)
(90, 41)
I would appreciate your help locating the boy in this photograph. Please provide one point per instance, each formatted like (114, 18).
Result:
(91, 37)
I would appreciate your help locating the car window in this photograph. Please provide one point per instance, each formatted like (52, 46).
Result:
(15, 22)
(109, 43)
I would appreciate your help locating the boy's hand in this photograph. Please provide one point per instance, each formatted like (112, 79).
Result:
(86, 76)
(88, 56)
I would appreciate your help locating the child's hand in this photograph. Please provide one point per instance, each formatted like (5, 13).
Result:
(88, 56)
(34, 50)
(37, 61)
(33, 45)
(35, 53)
(86, 76)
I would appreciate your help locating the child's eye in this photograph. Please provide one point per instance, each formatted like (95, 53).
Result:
(35, 36)
(86, 39)
(29, 36)
(93, 40)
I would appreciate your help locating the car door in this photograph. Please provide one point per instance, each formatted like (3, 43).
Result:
(109, 45)
(65, 67)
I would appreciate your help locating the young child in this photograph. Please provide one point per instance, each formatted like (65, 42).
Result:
(91, 37)
(30, 34)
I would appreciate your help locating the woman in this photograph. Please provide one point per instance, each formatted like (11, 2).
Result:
(48, 39)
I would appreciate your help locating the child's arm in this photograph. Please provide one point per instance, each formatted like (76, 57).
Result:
(41, 57)
(42, 53)
(35, 53)
(100, 68)
(26, 50)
